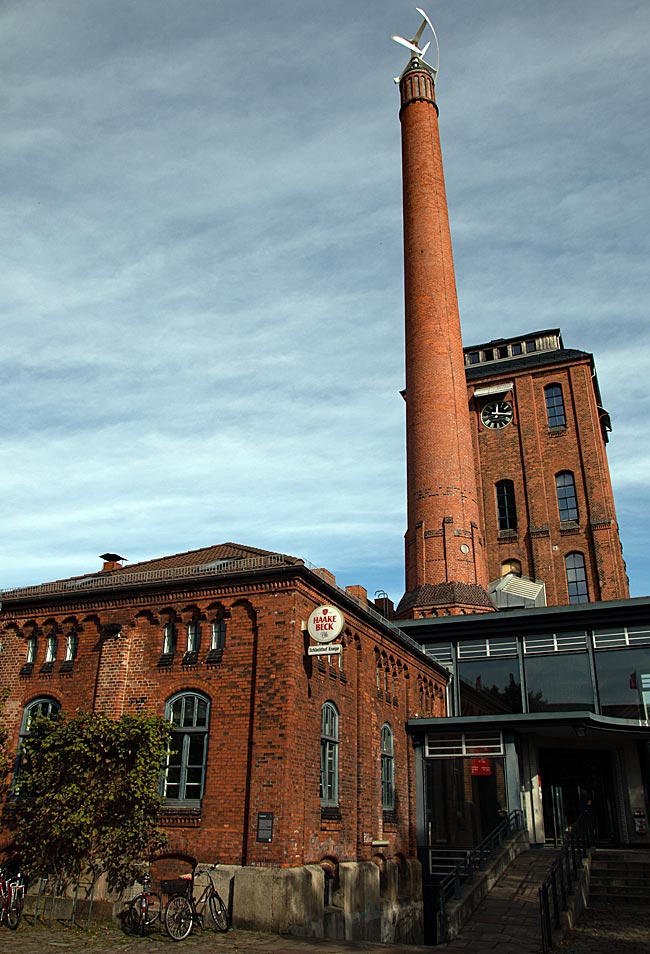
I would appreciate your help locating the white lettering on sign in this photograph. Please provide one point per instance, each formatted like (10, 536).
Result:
(325, 624)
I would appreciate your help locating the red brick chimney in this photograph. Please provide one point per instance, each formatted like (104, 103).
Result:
(446, 568)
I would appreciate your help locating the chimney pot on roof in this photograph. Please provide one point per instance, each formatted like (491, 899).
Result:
(112, 561)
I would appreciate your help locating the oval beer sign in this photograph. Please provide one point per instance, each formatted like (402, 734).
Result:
(325, 623)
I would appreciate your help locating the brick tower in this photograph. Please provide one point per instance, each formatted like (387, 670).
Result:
(446, 569)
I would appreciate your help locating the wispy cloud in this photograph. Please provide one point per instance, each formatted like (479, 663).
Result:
(200, 239)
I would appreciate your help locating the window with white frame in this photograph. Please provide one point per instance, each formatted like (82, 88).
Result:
(387, 769)
(70, 647)
(193, 636)
(44, 707)
(329, 755)
(183, 778)
(32, 645)
(218, 634)
(169, 638)
(50, 648)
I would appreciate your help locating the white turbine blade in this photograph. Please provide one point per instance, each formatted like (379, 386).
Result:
(435, 37)
(407, 43)
(416, 38)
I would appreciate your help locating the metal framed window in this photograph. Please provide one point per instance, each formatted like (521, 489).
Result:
(193, 636)
(169, 638)
(387, 769)
(50, 649)
(44, 707)
(183, 778)
(70, 647)
(30, 653)
(576, 578)
(566, 495)
(329, 755)
(555, 413)
(506, 508)
(463, 744)
(218, 634)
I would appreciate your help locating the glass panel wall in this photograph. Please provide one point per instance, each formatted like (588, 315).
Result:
(490, 686)
(620, 681)
(559, 683)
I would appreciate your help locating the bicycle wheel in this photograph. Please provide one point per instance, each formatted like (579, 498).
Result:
(15, 911)
(178, 917)
(219, 912)
(134, 914)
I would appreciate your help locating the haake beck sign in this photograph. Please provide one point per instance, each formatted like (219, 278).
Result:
(325, 624)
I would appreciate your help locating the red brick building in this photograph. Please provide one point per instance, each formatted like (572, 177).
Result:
(215, 641)
(539, 433)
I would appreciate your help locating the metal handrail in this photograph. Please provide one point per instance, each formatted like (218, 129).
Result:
(474, 860)
(563, 875)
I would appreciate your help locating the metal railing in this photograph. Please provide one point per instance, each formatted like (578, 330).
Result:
(563, 875)
(466, 862)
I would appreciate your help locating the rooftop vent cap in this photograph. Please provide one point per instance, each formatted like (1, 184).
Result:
(112, 561)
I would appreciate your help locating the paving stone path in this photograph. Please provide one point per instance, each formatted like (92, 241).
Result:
(610, 929)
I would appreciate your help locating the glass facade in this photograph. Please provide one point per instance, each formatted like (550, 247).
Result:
(497, 683)
(559, 683)
(602, 672)
(620, 682)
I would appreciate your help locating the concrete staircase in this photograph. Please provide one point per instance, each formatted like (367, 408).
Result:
(620, 877)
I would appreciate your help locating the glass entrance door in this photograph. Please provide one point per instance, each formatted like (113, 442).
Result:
(573, 782)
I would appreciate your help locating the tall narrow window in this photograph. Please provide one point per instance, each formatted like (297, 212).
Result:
(576, 578)
(70, 647)
(30, 654)
(193, 636)
(218, 636)
(566, 495)
(387, 769)
(329, 755)
(554, 406)
(184, 772)
(169, 638)
(50, 649)
(506, 509)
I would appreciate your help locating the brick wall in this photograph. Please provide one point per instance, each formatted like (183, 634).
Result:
(531, 454)
(265, 696)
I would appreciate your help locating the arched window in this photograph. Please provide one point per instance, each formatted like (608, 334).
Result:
(511, 566)
(387, 769)
(329, 755)
(506, 509)
(45, 707)
(576, 578)
(567, 501)
(184, 772)
(554, 406)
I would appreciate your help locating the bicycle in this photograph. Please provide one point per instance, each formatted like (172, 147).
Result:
(144, 909)
(12, 897)
(182, 910)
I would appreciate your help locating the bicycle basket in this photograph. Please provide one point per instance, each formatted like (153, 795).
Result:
(176, 886)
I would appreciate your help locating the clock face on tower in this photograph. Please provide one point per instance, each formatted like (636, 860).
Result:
(497, 414)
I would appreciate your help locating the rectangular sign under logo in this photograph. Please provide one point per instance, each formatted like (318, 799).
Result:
(325, 650)
(481, 767)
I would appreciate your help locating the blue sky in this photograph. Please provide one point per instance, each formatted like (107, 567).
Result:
(201, 261)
